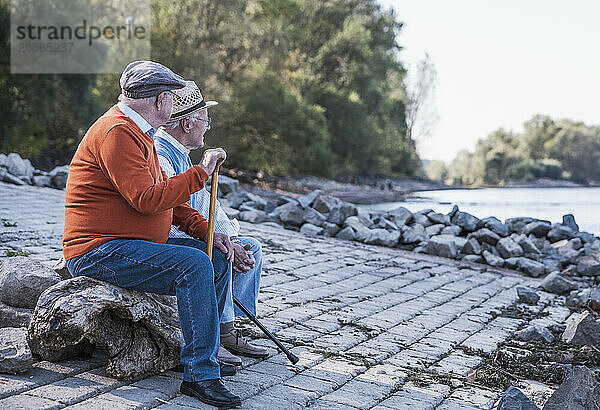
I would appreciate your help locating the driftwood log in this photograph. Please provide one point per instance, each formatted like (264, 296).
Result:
(140, 331)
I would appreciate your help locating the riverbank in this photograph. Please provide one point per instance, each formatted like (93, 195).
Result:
(373, 326)
(357, 190)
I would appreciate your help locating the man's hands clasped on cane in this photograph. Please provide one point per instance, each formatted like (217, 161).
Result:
(244, 259)
(223, 243)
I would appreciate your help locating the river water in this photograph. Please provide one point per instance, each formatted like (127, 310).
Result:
(543, 203)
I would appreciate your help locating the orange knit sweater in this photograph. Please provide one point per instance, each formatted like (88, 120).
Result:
(117, 189)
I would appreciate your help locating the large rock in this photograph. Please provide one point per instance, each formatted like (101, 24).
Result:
(228, 185)
(14, 317)
(442, 245)
(586, 237)
(312, 230)
(584, 330)
(514, 399)
(314, 217)
(58, 176)
(493, 224)
(434, 229)
(530, 267)
(254, 201)
(140, 331)
(401, 216)
(383, 237)
(41, 180)
(10, 178)
(567, 252)
(581, 298)
(484, 235)
(589, 265)
(331, 229)
(559, 232)
(452, 230)
(569, 220)
(386, 224)
(537, 228)
(22, 281)
(473, 258)
(19, 167)
(527, 296)
(576, 243)
(472, 247)
(465, 220)
(414, 234)
(579, 391)
(438, 218)
(341, 212)
(254, 216)
(325, 203)
(492, 259)
(508, 248)
(308, 199)
(290, 214)
(355, 222)
(516, 225)
(421, 220)
(527, 245)
(346, 233)
(15, 355)
(535, 333)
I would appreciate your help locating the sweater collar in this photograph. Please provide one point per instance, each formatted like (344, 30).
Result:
(161, 133)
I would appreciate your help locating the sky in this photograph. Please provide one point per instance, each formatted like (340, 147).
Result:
(500, 62)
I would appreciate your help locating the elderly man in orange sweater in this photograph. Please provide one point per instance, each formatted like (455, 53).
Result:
(119, 209)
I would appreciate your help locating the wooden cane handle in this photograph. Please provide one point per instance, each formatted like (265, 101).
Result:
(211, 211)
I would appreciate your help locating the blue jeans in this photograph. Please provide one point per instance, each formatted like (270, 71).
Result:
(245, 285)
(183, 270)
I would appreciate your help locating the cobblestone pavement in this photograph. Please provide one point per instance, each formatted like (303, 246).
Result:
(367, 322)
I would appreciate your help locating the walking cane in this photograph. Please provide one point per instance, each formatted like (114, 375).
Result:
(209, 248)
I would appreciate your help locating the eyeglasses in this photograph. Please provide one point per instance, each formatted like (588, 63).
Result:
(207, 121)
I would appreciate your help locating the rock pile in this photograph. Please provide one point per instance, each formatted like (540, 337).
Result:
(533, 246)
(19, 171)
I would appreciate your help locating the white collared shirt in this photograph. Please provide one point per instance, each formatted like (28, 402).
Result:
(202, 198)
(135, 117)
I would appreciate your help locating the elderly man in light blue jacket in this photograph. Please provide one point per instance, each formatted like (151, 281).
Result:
(183, 133)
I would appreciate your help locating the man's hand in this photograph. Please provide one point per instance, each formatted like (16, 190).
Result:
(243, 260)
(222, 243)
(210, 158)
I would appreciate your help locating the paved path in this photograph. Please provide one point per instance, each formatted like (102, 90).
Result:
(367, 322)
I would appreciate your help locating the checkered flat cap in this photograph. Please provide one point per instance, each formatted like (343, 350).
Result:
(142, 79)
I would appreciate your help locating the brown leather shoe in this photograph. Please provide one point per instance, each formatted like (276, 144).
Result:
(226, 357)
(236, 344)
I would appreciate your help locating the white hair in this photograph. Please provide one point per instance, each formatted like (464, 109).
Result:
(172, 124)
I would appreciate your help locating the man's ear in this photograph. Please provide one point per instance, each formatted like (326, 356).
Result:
(185, 125)
(160, 100)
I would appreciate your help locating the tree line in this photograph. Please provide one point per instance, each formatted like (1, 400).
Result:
(304, 86)
(547, 148)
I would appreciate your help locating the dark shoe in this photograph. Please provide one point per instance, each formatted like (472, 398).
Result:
(211, 392)
(236, 344)
(227, 369)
